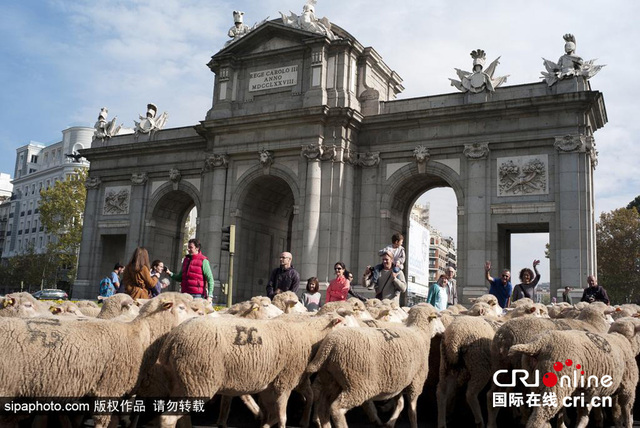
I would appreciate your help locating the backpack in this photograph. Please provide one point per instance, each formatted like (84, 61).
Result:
(106, 287)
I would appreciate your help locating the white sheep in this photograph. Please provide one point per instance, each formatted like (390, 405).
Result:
(258, 307)
(521, 330)
(121, 306)
(236, 356)
(101, 358)
(288, 302)
(22, 305)
(601, 355)
(358, 365)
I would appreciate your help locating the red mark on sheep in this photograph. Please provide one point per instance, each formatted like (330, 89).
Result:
(557, 366)
(568, 362)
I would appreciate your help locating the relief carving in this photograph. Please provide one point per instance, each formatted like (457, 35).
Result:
(92, 183)
(525, 175)
(476, 150)
(216, 161)
(139, 179)
(116, 201)
(569, 143)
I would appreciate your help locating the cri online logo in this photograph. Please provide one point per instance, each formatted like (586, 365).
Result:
(550, 379)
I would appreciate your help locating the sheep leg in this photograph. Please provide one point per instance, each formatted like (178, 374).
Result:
(305, 389)
(280, 415)
(223, 414)
(444, 393)
(105, 421)
(338, 415)
(169, 421)
(475, 386)
(396, 412)
(413, 411)
(251, 404)
(371, 412)
(492, 411)
(582, 419)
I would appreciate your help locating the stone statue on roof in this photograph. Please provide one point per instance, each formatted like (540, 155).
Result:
(478, 80)
(308, 21)
(150, 124)
(105, 130)
(569, 65)
(239, 28)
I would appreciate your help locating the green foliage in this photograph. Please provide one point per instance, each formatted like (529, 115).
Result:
(618, 241)
(635, 203)
(61, 210)
(30, 270)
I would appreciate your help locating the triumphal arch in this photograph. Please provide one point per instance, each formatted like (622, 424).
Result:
(307, 149)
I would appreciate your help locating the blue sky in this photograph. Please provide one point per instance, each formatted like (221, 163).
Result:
(64, 60)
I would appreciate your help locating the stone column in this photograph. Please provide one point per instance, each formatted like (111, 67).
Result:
(574, 237)
(88, 263)
(137, 212)
(211, 215)
(476, 243)
(311, 219)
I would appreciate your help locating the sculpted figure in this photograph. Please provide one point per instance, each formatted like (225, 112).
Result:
(569, 64)
(478, 80)
(150, 123)
(239, 29)
(308, 21)
(105, 130)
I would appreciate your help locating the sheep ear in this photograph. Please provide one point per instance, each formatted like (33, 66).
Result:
(254, 306)
(166, 305)
(482, 310)
(336, 321)
(55, 310)
(473, 299)
(532, 309)
(618, 309)
(432, 316)
(291, 303)
(8, 302)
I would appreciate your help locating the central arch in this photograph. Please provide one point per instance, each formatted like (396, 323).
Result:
(264, 228)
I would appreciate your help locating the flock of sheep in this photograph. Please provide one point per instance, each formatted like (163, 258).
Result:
(347, 355)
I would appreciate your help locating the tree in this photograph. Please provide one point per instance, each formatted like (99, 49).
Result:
(634, 203)
(61, 210)
(618, 241)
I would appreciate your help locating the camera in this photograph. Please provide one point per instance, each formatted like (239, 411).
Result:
(166, 269)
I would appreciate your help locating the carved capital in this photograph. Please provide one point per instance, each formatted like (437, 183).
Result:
(216, 161)
(329, 153)
(476, 150)
(139, 179)
(570, 143)
(368, 159)
(92, 183)
(312, 151)
(350, 157)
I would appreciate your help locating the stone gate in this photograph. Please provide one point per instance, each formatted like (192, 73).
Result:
(306, 149)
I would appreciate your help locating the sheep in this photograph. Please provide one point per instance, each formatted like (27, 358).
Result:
(102, 358)
(119, 305)
(466, 353)
(465, 358)
(258, 307)
(251, 356)
(491, 300)
(521, 330)
(358, 365)
(66, 308)
(602, 354)
(22, 305)
(288, 302)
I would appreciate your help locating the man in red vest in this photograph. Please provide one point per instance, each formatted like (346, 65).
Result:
(195, 277)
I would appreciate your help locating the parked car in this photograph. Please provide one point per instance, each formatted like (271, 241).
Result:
(51, 294)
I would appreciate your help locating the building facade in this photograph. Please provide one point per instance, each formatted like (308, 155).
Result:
(38, 167)
(306, 149)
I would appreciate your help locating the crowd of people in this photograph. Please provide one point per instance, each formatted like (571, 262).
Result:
(142, 279)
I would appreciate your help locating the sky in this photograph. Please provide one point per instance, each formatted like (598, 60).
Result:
(64, 60)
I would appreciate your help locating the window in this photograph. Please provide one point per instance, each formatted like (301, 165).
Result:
(34, 158)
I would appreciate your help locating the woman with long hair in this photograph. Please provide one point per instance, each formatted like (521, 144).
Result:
(338, 289)
(137, 279)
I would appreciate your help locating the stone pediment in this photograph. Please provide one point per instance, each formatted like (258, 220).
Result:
(270, 36)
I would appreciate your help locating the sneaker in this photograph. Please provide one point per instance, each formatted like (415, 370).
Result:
(371, 287)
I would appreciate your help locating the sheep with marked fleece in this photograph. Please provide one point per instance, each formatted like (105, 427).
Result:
(466, 354)
(357, 365)
(100, 358)
(239, 356)
(608, 363)
(521, 330)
